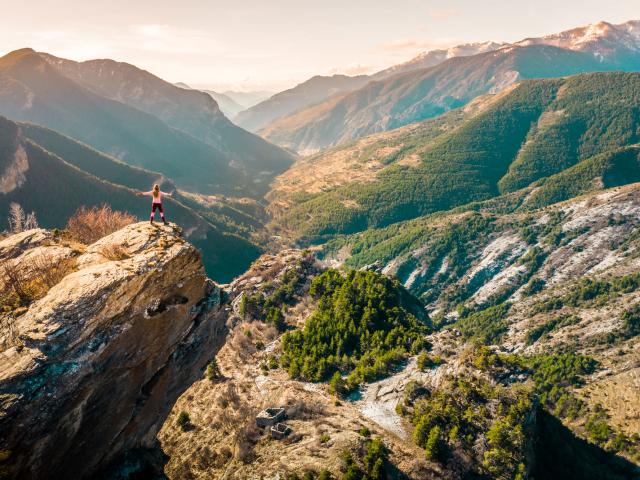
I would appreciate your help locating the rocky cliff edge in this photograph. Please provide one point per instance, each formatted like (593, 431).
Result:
(99, 361)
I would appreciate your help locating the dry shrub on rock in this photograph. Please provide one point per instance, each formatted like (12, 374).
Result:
(90, 224)
(114, 252)
(22, 284)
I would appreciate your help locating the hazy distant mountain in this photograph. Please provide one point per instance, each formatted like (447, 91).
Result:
(227, 105)
(190, 111)
(248, 99)
(31, 89)
(314, 90)
(322, 88)
(419, 94)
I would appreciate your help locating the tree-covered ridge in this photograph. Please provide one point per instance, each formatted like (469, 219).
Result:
(592, 114)
(490, 423)
(364, 325)
(554, 378)
(606, 170)
(539, 129)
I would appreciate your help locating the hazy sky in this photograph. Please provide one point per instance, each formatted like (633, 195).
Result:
(273, 44)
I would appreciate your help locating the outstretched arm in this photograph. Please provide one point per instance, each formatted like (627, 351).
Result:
(167, 194)
(140, 194)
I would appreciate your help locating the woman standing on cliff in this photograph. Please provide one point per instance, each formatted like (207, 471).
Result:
(156, 195)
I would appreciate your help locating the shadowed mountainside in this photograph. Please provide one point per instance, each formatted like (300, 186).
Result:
(44, 182)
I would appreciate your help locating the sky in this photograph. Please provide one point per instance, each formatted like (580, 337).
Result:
(275, 44)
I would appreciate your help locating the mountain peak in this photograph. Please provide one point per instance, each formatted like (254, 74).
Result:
(16, 56)
(20, 52)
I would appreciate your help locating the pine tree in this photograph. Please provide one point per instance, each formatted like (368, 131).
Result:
(433, 447)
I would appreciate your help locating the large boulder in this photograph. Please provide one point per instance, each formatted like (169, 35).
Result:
(102, 358)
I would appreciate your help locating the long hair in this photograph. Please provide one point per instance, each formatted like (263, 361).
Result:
(156, 191)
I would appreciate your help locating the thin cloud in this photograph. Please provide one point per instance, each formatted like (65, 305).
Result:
(353, 70)
(403, 47)
(170, 40)
(444, 14)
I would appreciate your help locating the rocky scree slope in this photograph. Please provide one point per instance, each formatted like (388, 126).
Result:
(489, 251)
(95, 365)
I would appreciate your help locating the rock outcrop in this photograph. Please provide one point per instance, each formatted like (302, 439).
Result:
(102, 358)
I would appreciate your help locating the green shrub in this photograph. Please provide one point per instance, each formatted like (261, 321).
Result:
(535, 285)
(562, 321)
(337, 385)
(213, 371)
(427, 361)
(325, 475)
(434, 445)
(485, 326)
(275, 317)
(597, 426)
(183, 421)
(631, 322)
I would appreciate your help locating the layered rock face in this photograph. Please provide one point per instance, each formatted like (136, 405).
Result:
(102, 358)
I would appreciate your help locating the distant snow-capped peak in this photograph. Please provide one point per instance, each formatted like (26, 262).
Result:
(597, 38)
(469, 49)
(430, 58)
